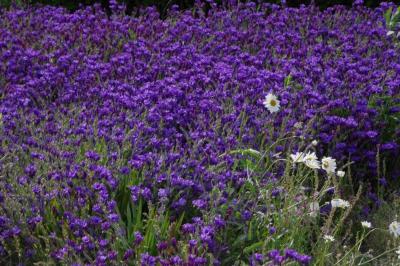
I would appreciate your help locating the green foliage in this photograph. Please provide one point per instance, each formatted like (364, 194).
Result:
(392, 19)
(341, 112)
(385, 105)
(295, 225)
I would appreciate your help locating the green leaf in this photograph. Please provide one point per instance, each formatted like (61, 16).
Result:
(240, 240)
(179, 223)
(248, 164)
(250, 152)
(253, 247)
(388, 15)
(138, 214)
(250, 231)
(132, 34)
(165, 225)
(287, 81)
(129, 225)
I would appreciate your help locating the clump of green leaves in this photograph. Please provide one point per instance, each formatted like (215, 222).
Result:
(392, 19)
(386, 107)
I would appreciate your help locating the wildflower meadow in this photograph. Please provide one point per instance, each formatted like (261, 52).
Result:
(229, 133)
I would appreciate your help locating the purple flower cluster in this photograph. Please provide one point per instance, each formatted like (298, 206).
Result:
(102, 114)
(289, 254)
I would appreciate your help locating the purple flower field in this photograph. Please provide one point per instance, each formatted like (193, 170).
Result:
(250, 134)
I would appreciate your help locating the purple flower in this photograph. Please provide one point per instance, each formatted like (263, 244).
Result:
(112, 255)
(86, 240)
(128, 253)
(163, 193)
(275, 256)
(300, 258)
(188, 228)
(135, 193)
(92, 155)
(105, 226)
(176, 260)
(113, 217)
(201, 204)
(192, 245)
(15, 231)
(207, 233)
(147, 260)
(138, 238)
(146, 193)
(246, 215)
(103, 243)
(30, 170)
(162, 246)
(219, 222)
(256, 259)
(371, 134)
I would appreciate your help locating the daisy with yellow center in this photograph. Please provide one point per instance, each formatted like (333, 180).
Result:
(298, 157)
(329, 165)
(366, 224)
(311, 160)
(394, 229)
(272, 103)
(340, 173)
(339, 203)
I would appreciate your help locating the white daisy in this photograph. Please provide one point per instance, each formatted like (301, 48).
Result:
(340, 173)
(311, 160)
(394, 228)
(329, 164)
(298, 157)
(313, 164)
(389, 33)
(366, 224)
(329, 238)
(339, 203)
(271, 102)
(314, 142)
(310, 156)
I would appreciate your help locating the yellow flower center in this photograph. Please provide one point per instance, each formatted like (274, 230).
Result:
(273, 103)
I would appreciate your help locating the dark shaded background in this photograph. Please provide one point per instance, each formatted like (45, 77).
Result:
(163, 5)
